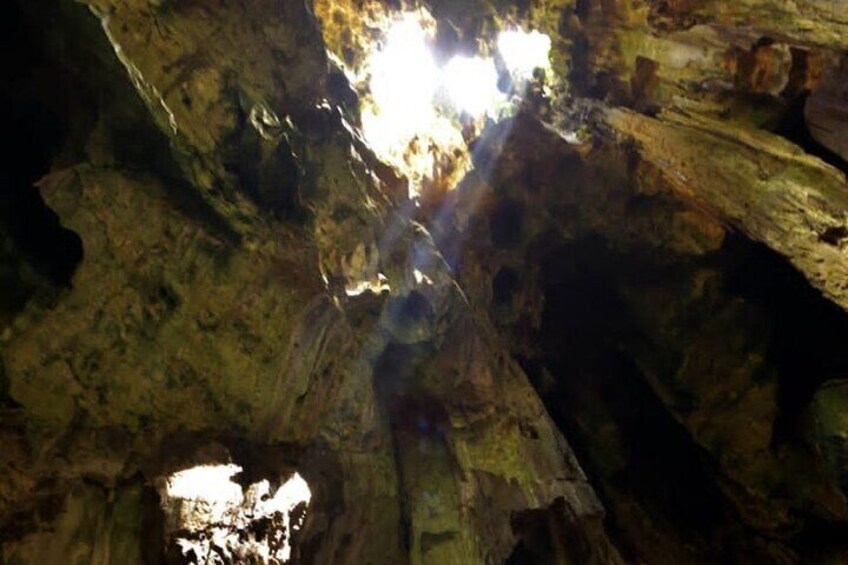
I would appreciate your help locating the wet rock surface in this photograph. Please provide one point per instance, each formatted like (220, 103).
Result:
(619, 339)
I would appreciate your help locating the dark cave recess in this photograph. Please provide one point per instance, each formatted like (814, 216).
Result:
(586, 367)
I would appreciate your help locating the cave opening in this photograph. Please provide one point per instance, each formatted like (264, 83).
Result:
(421, 106)
(211, 519)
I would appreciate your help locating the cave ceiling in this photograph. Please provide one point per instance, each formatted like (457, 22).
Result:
(474, 281)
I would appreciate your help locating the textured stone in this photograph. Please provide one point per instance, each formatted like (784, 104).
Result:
(756, 182)
(590, 294)
(826, 112)
(828, 408)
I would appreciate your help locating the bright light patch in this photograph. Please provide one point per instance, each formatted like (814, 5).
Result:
(410, 114)
(523, 52)
(293, 492)
(209, 483)
(378, 285)
(403, 82)
(400, 121)
(216, 517)
(421, 278)
(472, 85)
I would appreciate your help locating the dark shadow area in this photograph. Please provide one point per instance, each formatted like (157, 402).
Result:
(5, 399)
(650, 468)
(35, 131)
(504, 286)
(506, 224)
(268, 172)
(794, 127)
(67, 100)
(550, 536)
(584, 328)
(320, 467)
(808, 345)
(153, 549)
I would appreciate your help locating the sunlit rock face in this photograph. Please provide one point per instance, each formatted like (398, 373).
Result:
(349, 281)
(213, 520)
(418, 114)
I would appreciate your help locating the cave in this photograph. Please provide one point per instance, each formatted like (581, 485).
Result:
(359, 281)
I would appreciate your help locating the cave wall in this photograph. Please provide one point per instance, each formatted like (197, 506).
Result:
(630, 349)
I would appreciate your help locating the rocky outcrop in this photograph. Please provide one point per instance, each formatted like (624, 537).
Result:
(829, 416)
(582, 287)
(758, 183)
(826, 111)
(198, 314)
(620, 338)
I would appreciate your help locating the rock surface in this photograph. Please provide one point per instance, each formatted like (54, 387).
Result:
(826, 111)
(759, 183)
(620, 338)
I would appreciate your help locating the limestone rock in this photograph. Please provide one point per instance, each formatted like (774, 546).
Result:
(832, 428)
(756, 182)
(619, 338)
(826, 111)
